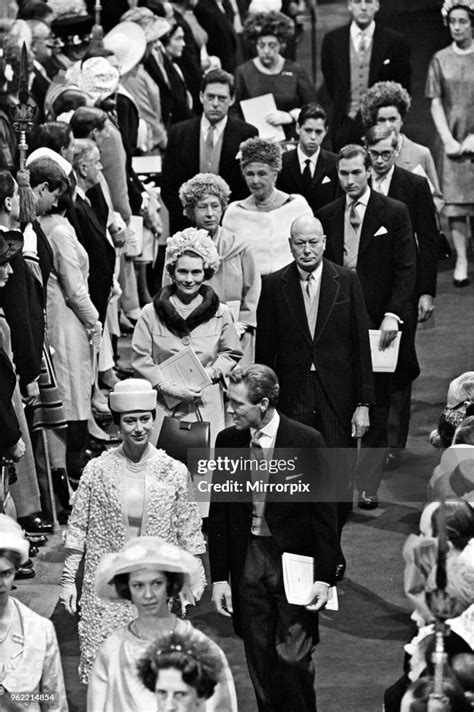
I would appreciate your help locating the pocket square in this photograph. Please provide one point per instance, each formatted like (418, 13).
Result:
(381, 231)
(326, 179)
(386, 61)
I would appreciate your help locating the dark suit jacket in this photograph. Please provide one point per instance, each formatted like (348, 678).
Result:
(9, 427)
(306, 528)
(414, 191)
(386, 264)
(222, 39)
(101, 255)
(320, 193)
(181, 162)
(340, 347)
(390, 61)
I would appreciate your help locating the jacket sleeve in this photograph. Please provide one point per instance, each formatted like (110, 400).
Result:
(266, 338)
(142, 350)
(219, 535)
(229, 353)
(52, 680)
(172, 174)
(360, 345)
(426, 231)
(404, 262)
(327, 65)
(188, 519)
(251, 287)
(10, 431)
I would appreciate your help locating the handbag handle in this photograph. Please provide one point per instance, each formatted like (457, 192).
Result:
(197, 411)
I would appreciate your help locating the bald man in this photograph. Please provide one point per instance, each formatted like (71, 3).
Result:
(312, 329)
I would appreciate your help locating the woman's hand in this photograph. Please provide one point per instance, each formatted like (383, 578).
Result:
(184, 393)
(467, 145)
(240, 328)
(68, 597)
(452, 147)
(279, 118)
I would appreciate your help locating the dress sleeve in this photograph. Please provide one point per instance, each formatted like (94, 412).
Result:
(188, 519)
(78, 523)
(98, 681)
(251, 287)
(70, 277)
(52, 680)
(433, 88)
(229, 351)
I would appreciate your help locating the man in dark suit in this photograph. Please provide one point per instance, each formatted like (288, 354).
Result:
(309, 169)
(208, 144)
(246, 543)
(414, 191)
(217, 18)
(41, 49)
(92, 234)
(372, 234)
(353, 58)
(312, 328)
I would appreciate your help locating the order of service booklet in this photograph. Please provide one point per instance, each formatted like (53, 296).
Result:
(298, 577)
(184, 368)
(383, 361)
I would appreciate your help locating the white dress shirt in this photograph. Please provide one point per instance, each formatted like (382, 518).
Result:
(356, 35)
(218, 128)
(382, 184)
(302, 158)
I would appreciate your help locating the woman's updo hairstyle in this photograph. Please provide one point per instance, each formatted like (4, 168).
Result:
(268, 24)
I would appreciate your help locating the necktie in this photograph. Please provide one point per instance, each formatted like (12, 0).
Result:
(256, 450)
(363, 44)
(309, 286)
(210, 139)
(354, 218)
(307, 177)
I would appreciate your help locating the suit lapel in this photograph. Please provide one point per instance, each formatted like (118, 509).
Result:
(327, 297)
(290, 282)
(321, 169)
(378, 49)
(372, 221)
(228, 151)
(193, 143)
(397, 186)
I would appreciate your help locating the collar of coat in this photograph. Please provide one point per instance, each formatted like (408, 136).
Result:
(167, 313)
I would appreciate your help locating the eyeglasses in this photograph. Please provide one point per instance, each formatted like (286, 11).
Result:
(384, 155)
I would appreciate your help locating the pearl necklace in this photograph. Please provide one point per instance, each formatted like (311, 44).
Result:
(134, 630)
(266, 204)
(135, 466)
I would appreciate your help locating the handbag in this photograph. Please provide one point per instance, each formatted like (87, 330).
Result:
(177, 436)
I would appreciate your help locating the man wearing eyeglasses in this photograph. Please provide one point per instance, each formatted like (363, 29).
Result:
(353, 58)
(309, 169)
(414, 191)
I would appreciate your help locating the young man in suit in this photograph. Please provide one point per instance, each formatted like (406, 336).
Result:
(206, 144)
(372, 234)
(353, 58)
(309, 169)
(414, 191)
(246, 543)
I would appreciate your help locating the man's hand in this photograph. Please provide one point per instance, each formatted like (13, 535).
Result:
(32, 393)
(17, 451)
(389, 329)
(360, 422)
(425, 307)
(222, 597)
(319, 596)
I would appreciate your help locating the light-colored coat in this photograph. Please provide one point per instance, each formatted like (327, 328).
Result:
(414, 156)
(215, 343)
(69, 313)
(39, 671)
(98, 526)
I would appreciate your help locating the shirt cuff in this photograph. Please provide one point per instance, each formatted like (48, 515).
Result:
(324, 583)
(400, 321)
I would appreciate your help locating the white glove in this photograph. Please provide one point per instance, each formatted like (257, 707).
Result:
(68, 591)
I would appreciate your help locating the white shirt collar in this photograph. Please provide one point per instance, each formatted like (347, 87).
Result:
(270, 429)
(219, 127)
(364, 198)
(316, 273)
(356, 32)
(302, 158)
(386, 179)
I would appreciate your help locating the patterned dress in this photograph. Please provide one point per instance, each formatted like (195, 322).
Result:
(98, 525)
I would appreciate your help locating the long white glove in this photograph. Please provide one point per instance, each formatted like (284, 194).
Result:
(68, 592)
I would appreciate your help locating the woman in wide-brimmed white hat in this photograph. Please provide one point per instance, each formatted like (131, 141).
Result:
(129, 491)
(148, 572)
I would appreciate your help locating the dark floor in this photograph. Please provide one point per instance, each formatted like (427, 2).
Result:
(361, 648)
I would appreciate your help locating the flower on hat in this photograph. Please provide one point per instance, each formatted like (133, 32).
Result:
(448, 5)
(64, 8)
(192, 239)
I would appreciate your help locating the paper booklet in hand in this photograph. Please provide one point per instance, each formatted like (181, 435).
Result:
(298, 577)
(383, 361)
(184, 369)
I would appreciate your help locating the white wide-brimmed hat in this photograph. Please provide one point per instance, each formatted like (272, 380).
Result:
(145, 552)
(13, 538)
(45, 152)
(132, 394)
(128, 43)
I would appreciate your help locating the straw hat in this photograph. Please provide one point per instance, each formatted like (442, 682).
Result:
(132, 394)
(128, 43)
(12, 537)
(98, 78)
(140, 553)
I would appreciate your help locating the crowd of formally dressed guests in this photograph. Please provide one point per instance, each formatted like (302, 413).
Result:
(269, 261)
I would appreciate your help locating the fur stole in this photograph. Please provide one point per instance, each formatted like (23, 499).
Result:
(174, 322)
